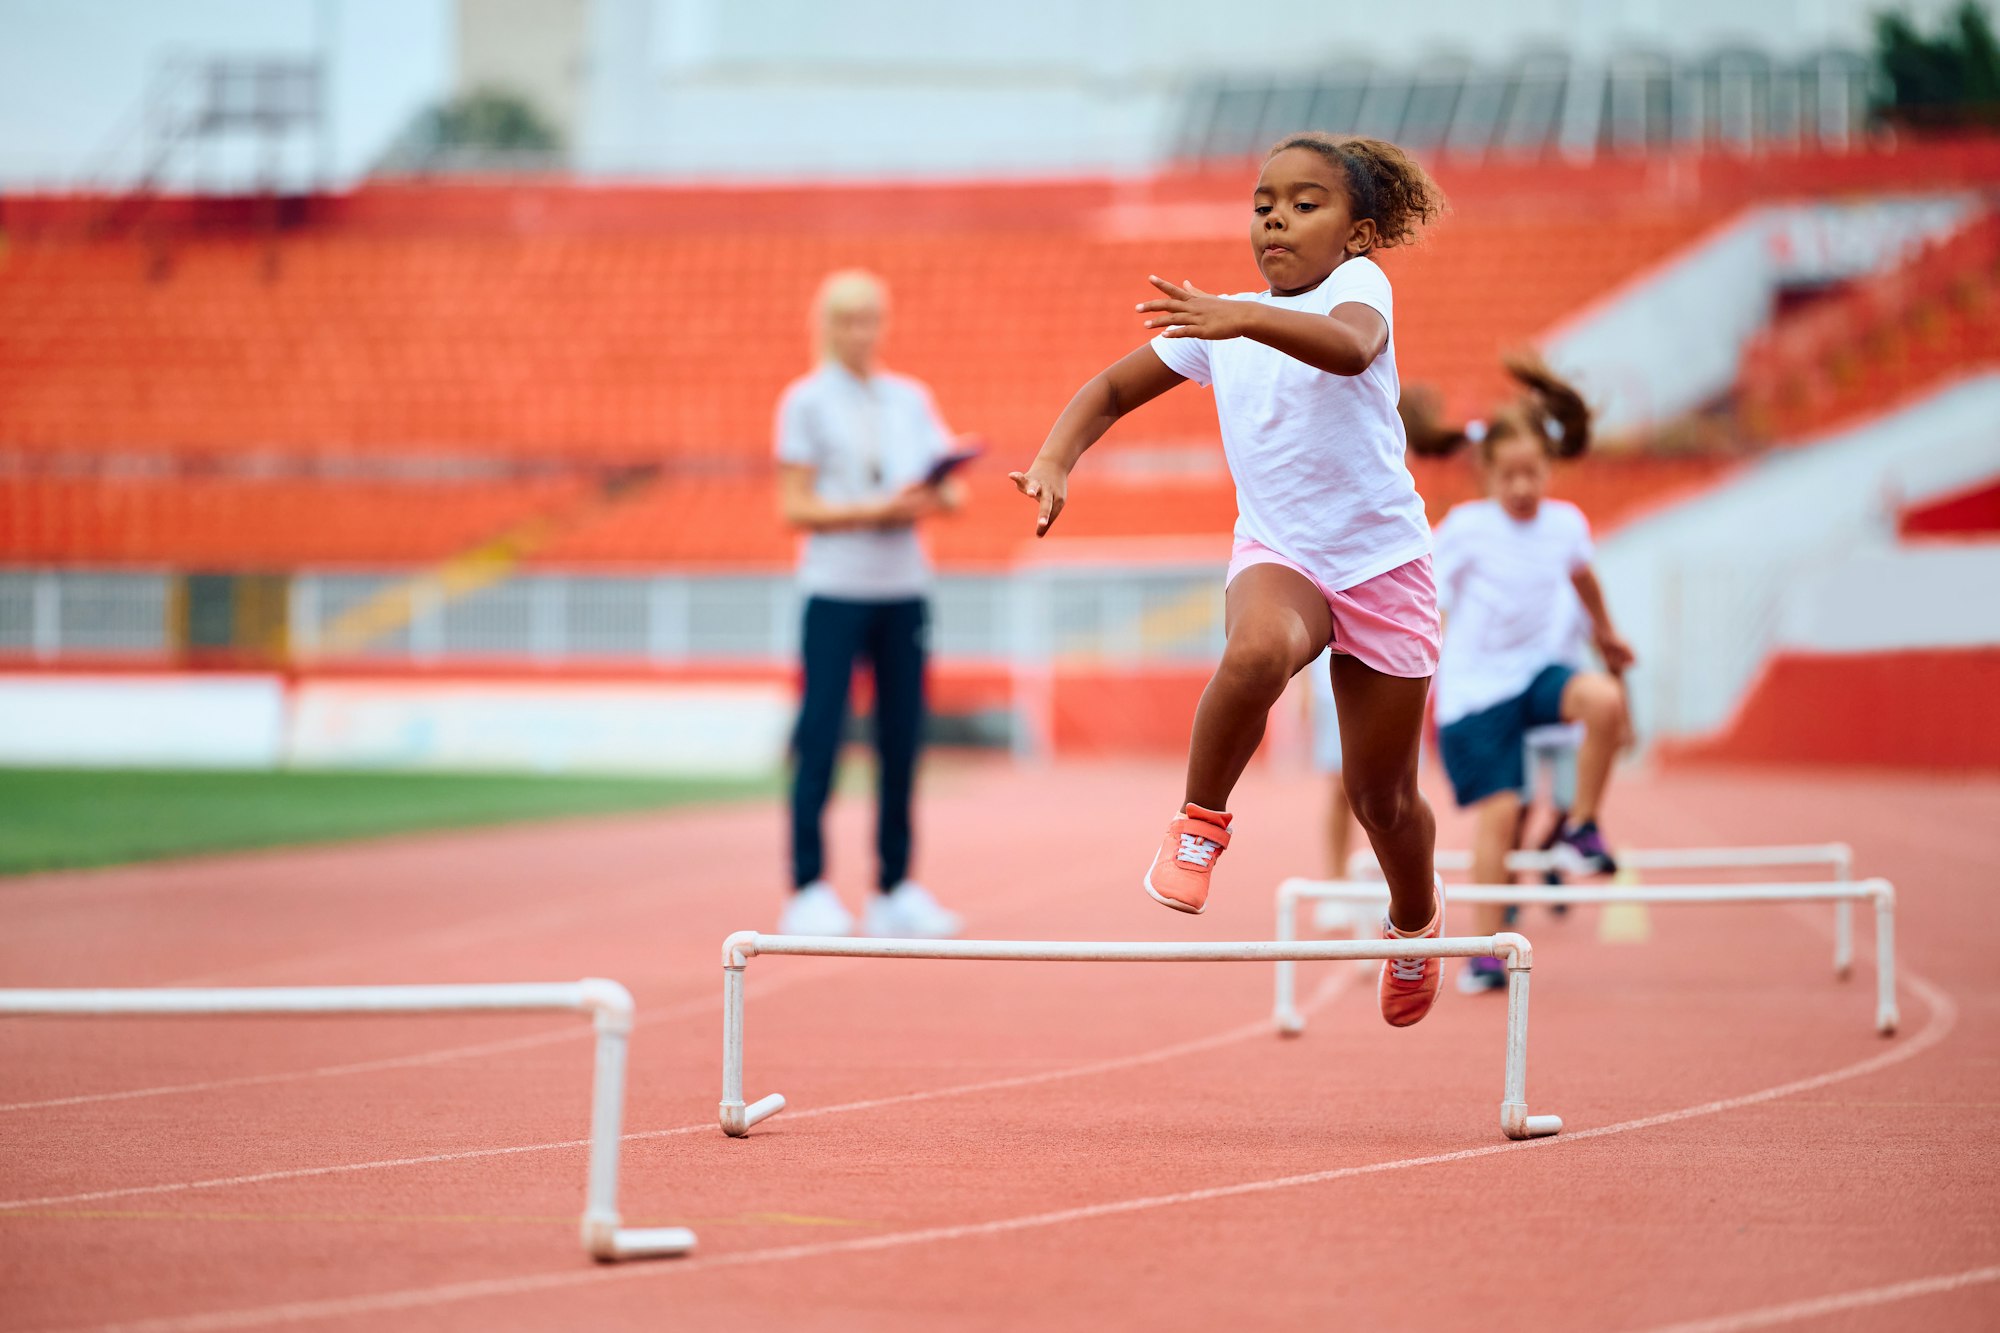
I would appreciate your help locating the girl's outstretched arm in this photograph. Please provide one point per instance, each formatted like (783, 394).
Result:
(1136, 378)
(1617, 654)
(1344, 341)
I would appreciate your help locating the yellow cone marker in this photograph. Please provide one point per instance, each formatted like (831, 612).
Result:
(1624, 923)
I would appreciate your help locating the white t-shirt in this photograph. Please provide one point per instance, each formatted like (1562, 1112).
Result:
(864, 440)
(1505, 588)
(1317, 458)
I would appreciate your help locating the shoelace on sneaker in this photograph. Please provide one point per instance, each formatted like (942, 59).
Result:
(1409, 970)
(1197, 850)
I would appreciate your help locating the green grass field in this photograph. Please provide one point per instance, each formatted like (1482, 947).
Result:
(54, 819)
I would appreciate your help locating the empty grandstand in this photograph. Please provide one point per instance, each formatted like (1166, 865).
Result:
(523, 423)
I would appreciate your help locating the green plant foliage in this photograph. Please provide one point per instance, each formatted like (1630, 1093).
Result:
(494, 118)
(1948, 80)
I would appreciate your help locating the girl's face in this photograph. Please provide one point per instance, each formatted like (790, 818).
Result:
(1301, 227)
(1517, 474)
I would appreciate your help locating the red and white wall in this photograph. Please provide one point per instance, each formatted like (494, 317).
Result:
(1793, 615)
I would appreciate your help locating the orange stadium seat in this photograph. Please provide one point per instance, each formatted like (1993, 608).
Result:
(425, 330)
(1885, 339)
(634, 348)
(236, 523)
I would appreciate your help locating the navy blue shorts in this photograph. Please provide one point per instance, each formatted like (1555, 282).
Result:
(1483, 751)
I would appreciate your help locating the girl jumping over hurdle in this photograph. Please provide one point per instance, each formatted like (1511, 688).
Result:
(1331, 546)
(1510, 570)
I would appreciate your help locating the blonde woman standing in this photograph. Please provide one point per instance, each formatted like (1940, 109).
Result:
(856, 448)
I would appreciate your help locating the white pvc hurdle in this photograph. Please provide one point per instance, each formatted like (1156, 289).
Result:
(1837, 857)
(1289, 1021)
(608, 1003)
(740, 948)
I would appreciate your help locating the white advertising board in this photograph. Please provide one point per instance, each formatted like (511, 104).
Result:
(556, 727)
(137, 721)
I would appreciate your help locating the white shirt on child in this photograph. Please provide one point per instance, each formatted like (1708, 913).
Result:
(865, 440)
(1317, 458)
(1504, 586)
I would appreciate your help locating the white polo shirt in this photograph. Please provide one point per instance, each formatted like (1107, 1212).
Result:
(865, 440)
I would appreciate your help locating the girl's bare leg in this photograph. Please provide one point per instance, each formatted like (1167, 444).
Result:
(1499, 816)
(1597, 701)
(1381, 726)
(1276, 622)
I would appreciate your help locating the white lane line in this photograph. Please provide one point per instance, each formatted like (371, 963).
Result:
(1772, 1315)
(1942, 1016)
(1327, 989)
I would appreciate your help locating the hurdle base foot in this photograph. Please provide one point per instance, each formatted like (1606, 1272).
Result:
(1887, 1021)
(608, 1242)
(648, 1243)
(737, 1118)
(1516, 1123)
(1289, 1022)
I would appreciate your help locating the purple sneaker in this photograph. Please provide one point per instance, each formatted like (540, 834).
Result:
(1481, 974)
(1581, 850)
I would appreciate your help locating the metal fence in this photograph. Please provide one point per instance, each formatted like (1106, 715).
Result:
(1169, 614)
(50, 615)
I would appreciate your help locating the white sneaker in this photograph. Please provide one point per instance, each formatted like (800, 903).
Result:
(908, 912)
(816, 910)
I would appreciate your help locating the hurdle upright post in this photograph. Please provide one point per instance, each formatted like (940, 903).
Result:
(1843, 914)
(737, 1118)
(1285, 1015)
(1515, 1122)
(604, 1235)
(1887, 1019)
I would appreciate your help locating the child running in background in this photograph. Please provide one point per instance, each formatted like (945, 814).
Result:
(1506, 568)
(1331, 546)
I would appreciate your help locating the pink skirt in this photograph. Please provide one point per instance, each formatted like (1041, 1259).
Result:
(1389, 623)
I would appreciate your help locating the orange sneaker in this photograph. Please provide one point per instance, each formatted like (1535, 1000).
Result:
(1179, 876)
(1409, 986)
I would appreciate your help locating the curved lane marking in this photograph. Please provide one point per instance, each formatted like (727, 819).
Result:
(1942, 1017)
(1791, 1312)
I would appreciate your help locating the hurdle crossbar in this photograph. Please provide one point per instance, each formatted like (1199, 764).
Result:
(737, 1117)
(1289, 1021)
(608, 1004)
(1836, 857)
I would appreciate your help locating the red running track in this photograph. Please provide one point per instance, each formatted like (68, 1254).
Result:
(996, 1146)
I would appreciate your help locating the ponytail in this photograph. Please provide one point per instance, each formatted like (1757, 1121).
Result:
(1422, 410)
(1562, 418)
(1549, 410)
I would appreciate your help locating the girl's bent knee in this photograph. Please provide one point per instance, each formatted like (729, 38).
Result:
(1382, 809)
(1596, 698)
(1258, 664)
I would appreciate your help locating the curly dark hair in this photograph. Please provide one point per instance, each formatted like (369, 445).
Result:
(1548, 410)
(1383, 182)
